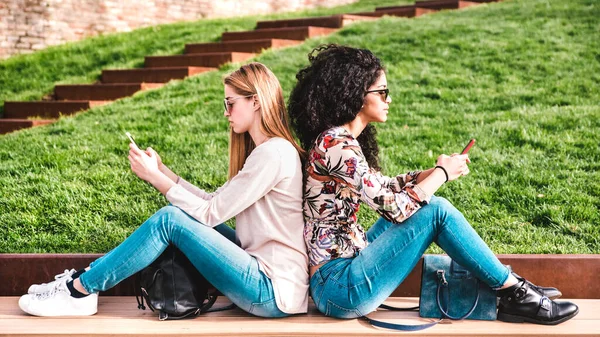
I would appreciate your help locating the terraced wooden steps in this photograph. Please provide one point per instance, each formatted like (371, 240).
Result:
(46, 109)
(445, 4)
(196, 60)
(409, 11)
(156, 75)
(334, 21)
(289, 33)
(8, 124)
(101, 92)
(249, 46)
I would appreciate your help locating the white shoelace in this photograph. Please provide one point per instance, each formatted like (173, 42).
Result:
(66, 274)
(60, 285)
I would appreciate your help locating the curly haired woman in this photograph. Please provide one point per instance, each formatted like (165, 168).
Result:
(337, 98)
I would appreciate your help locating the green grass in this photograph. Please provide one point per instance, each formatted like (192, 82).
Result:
(520, 76)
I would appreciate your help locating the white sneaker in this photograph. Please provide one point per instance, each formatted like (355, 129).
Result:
(59, 302)
(45, 287)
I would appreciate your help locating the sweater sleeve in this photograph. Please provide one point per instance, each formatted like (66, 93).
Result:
(261, 172)
(395, 200)
(200, 193)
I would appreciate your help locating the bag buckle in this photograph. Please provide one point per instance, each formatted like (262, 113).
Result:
(441, 274)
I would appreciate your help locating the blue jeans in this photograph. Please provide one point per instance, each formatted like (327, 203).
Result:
(353, 287)
(213, 252)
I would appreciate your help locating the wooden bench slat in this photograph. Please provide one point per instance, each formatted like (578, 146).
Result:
(120, 316)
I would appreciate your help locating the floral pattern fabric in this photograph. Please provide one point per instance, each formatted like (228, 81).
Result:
(338, 179)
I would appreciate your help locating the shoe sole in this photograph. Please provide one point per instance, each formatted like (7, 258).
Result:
(520, 319)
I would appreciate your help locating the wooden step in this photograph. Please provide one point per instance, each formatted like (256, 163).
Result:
(290, 33)
(9, 125)
(251, 46)
(160, 75)
(119, 316)
(577, 278)
(101, 92)
(445, 4)
(199, 60)
(47, 109)
(334, 21)
(401, 11)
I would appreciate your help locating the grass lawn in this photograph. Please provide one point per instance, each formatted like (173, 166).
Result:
(521, 77)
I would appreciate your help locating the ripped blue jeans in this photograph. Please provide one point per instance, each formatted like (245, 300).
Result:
(354, 287)
(213, 252)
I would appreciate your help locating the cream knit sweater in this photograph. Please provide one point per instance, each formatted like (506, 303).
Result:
(266, 199)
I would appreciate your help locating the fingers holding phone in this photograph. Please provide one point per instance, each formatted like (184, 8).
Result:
(144, 165)
(455, 165)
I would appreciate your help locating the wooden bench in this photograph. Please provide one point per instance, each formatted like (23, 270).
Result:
(118, 315)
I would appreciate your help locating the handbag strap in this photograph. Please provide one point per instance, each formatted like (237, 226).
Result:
(443, 282)
(401, 327)
(387, 307)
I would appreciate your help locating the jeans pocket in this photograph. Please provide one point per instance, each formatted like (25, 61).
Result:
(266, 309)
(334, 310)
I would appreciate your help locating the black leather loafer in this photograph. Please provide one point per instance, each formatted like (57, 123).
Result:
(522, 303)
(551, 293)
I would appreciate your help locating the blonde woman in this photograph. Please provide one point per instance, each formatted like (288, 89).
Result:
(262, 266)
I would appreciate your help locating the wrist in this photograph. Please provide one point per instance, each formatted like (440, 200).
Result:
(443, 170)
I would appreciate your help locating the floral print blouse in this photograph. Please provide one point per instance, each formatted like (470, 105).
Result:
(338, 179)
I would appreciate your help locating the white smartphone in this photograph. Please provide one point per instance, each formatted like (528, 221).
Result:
(131, 138)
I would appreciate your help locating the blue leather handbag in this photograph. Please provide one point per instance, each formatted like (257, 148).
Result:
(448, 290)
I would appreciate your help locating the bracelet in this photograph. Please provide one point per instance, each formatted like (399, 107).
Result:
(443, 169)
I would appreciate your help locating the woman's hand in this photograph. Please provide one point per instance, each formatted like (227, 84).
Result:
(455, 165)
(150, 152)
(145, 165)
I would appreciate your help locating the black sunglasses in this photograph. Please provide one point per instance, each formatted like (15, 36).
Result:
(382, 92)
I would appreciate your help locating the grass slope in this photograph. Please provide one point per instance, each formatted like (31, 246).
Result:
(520, 76)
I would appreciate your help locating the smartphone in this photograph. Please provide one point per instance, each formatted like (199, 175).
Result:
(468, 147)
(131, 138)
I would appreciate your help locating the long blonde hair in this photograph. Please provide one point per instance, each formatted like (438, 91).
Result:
(256, 79)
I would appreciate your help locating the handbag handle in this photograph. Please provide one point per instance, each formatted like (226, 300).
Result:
(401, 327)
(442, 281)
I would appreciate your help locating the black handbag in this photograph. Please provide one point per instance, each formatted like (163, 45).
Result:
(172, 286)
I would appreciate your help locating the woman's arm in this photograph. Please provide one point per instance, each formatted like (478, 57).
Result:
(346, 163)
(179, 181)
(260, 174)
(447, 168)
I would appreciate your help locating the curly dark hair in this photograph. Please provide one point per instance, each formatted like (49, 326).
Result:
(330, 92)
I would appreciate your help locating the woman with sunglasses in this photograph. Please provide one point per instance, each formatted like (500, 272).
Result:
(336, 99)
(262, 265)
